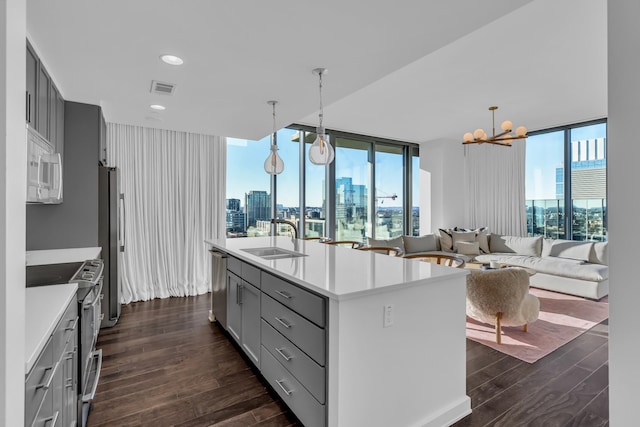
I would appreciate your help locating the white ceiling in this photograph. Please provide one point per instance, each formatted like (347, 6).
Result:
(413, 70)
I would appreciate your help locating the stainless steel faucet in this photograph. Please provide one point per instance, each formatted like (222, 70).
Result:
(291, 224)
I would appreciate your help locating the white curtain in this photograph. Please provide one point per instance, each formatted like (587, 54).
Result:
(174, 187)
(495, 187)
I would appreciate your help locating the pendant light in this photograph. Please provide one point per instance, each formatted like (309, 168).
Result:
(321, 152)
(274, 164)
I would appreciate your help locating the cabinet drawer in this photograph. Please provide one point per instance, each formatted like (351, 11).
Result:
(234, 265)
(304, 302)
(307, 372)
(66, 328)
(299, 400)
(251, 274)
(304, 334)
(39, 384)
(51, 419)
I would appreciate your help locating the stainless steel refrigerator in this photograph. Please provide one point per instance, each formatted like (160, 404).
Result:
(111, 211)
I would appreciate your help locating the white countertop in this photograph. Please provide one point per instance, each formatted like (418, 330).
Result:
(334, 271)
(44, 308)
(60, 256)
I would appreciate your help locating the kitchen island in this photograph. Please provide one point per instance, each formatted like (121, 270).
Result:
(347, 337)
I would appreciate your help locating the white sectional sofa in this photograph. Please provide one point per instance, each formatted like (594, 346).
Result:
(572, 267)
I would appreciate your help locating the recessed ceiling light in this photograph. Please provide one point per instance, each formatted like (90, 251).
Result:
(172, 60)
(157, 107)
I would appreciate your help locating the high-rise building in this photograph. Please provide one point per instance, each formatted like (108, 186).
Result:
(351, 200)
(257, 205)
(233, 204)
(235, 218)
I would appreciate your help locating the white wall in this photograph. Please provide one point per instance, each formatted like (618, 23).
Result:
(442, 203)
(13, 161)
(624, 204)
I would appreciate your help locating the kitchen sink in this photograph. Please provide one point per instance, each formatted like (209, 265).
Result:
(273, 252)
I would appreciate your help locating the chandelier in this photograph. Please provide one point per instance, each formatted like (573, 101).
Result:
(321, 151)
(273, 165)
(479, 136)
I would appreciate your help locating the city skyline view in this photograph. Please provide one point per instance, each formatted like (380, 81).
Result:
(363, 206)
(245, 172)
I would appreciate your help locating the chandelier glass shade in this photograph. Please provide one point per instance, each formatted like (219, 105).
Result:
(479, 136)
(273, 165)
(321, 151)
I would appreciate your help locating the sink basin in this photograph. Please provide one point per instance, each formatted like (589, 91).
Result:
(273, 253)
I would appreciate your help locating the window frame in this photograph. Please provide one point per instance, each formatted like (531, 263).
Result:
(568, 199)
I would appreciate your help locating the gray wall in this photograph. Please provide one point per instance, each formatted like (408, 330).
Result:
(623, 152)
(74, 222)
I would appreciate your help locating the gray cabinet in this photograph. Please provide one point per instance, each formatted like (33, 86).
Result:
(281, 327)
(31, 87)
(250, 339)
(51, 391)
(243, 308)
(56, 119)
(294, 347)
(44, 104)
(234, 309)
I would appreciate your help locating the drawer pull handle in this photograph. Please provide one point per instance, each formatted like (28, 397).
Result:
(283, 294)
(288, 392)
(283, 323)
(73, 326)
(47, 384)
(281, 353)
(52, 420)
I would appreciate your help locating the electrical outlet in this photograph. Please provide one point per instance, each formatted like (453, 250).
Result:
(387, 320)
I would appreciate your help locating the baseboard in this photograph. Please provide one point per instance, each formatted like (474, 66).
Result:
(449, 415)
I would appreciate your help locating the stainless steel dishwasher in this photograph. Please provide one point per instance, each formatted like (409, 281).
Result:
(219, 287)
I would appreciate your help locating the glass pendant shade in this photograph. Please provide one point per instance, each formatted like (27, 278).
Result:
(321, 152)
(274, 164)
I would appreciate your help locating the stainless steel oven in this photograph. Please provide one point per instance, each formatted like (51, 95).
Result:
(88, 276)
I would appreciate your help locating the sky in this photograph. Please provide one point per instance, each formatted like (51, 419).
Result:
(245, 171)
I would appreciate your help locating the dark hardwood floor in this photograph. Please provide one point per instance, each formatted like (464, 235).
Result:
(164, 364)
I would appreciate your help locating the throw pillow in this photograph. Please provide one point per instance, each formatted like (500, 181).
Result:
(462, 236)
(424, 243)
(482, 237)
(446, 239)
(468, 248)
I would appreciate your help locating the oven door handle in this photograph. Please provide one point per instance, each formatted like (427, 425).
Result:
(89, 396)
(96, 298)
(89, 304)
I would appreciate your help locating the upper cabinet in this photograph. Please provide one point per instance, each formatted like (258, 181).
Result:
(32, 84)
(44, 104)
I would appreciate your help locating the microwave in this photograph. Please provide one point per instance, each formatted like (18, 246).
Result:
(44, 170)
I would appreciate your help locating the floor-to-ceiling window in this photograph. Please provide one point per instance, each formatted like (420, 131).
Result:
(248, 188)
(414, 228)
(352, 211)
(566, 182)
(288, 182)
(389, 197)
(369, 190)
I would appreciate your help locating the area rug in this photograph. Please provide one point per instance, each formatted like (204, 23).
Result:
(562, 318)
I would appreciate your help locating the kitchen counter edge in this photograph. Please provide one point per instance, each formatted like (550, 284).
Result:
(321, 291)
(45, 306)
